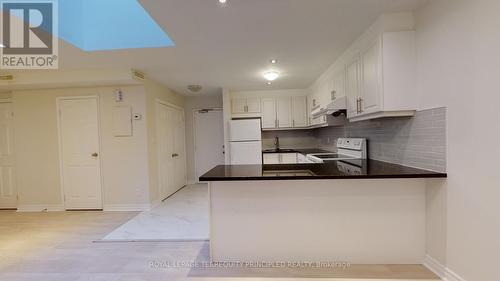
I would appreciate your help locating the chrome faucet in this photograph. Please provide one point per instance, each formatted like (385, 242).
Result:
(277, 143)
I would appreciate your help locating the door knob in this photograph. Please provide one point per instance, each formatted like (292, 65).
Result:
(95, 154)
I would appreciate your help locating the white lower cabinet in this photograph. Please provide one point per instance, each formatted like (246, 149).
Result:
(280, 158)
(271, 158)
(289, 158)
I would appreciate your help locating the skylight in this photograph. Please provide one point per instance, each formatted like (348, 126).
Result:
(96, 25)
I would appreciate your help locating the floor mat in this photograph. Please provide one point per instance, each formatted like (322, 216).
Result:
(182, 217)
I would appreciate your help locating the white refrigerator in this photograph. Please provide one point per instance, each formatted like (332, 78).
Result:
(245, 141)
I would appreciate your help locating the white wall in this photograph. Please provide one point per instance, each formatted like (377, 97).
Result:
(459, 67)
(190, 105)
(125, 181)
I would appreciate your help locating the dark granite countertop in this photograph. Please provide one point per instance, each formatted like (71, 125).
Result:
(341, 169)
(304, 151)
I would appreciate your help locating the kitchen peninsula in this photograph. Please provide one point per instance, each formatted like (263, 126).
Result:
(357, 211)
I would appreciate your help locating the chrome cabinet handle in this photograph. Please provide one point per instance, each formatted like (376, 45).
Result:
(293, 123)
(95, 154)
(360, 105)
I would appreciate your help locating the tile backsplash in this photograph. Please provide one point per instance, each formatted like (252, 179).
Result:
(290, 139)
(418, 142)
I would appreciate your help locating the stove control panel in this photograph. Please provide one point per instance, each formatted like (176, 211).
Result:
(351, 143)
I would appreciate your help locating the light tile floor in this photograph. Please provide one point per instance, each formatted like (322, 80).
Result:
(182, 217)
(59, 247)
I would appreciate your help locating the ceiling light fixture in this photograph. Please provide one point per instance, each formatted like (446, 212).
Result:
(222, 1)
(271, 75)
(274, 61)
(195, 88)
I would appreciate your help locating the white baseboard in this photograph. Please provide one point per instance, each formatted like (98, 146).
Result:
(40, 208)
(440, 270)
(127, 207)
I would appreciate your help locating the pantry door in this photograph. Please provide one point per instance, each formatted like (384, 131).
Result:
(80, 153)
(171, 149)
(8, 190)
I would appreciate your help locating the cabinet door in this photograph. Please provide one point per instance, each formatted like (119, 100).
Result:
(238, 105)
(339, 84)
(271, 158)
(253, 105)
(352, 87)
(284, 112)
(269, 113)
(288, 158)
(299, 112)
(371, 72)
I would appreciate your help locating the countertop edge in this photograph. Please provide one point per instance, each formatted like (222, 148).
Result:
(264, 178)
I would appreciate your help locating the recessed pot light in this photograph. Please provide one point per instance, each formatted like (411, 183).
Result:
(269, 83)
(222, 1)
(274, 61)
(271, 75)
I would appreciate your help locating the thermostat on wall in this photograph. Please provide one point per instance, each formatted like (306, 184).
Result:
(118, 95)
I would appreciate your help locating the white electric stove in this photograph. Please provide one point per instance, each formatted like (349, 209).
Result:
(348, 148)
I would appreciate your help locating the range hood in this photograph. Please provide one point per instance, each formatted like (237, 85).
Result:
(339, 104)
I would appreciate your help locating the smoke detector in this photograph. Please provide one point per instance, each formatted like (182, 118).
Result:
(195, 88)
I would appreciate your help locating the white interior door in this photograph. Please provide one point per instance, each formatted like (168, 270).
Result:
(8, 190)
(171, 150)
(164, 152)
(179, 153)
(209, 140)
(80, 152)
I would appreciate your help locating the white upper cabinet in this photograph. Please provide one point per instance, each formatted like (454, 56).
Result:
(245, 106)
(352, 87)
(371, 78)
(380, 80)
(284, 112)
(299, 109)
(269, 120)
(253, 105)
(338, 90)
(238, 105)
